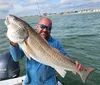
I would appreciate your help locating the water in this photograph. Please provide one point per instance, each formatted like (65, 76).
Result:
(80, 36)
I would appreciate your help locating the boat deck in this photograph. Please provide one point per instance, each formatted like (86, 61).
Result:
(14, 81)
(17, 81)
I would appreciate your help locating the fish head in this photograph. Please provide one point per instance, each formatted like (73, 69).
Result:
(17, 29)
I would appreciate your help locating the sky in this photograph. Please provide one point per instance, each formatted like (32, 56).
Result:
(38, 7)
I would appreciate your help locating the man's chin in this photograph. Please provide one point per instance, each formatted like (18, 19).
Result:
(44, 35)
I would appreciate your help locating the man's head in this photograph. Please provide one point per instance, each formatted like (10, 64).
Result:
(44, 27)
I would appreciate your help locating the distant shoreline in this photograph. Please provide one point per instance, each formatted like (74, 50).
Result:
(65, 13)
(73, 12)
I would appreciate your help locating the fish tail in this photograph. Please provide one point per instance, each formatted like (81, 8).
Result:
(85, 73)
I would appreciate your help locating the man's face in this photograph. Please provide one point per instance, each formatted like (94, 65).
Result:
(44, 27)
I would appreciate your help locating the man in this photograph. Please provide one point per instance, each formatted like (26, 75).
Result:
(37, 73)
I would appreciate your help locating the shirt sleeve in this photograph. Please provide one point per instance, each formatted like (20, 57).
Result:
(16, 53)
(62, 50)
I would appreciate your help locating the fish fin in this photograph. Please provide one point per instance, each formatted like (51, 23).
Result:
(85, 73)
(61, 72)
(28, 50)
(27, 55)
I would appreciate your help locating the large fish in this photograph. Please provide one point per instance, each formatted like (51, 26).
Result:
(34, 46)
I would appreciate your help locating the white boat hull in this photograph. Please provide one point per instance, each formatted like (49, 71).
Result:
(14, 81)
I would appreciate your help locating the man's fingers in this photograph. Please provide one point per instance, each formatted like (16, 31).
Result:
(74, 72)
(80, 68)
(77, 64)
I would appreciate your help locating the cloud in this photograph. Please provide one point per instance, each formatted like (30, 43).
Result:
(4, 1)
(4, 6)
(64, 1)
(35, 1)
(29, 7)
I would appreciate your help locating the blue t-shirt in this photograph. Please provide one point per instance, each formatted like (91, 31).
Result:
(37, 73)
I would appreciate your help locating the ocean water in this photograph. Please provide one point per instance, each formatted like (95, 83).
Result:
(80, 36)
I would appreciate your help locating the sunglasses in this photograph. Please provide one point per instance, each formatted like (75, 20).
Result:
(42, 26)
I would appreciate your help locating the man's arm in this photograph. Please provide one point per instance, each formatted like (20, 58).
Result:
(16, 52)
(62, 50)
(79, 66)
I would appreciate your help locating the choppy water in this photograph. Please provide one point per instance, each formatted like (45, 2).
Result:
(80, 36)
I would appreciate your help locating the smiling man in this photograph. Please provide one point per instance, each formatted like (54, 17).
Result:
(37, 73)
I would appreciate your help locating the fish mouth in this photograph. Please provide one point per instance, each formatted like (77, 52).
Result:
(7, 21)
(9, 18)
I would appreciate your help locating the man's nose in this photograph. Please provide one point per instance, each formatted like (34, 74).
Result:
(45, 29)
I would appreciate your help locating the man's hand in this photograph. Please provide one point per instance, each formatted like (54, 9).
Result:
(13, 44)
(79, 66)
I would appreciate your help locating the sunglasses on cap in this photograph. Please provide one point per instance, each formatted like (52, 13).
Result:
(42, 26)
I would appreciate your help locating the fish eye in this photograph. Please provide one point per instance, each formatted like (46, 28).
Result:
(24, 30)
(14, 18)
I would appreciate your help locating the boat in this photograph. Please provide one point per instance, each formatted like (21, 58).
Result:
(13, 81)
(10, 70)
